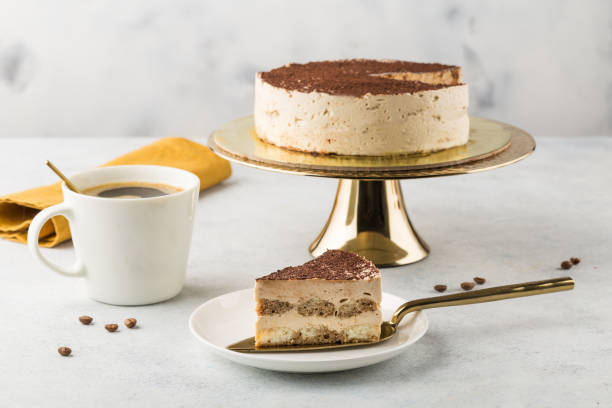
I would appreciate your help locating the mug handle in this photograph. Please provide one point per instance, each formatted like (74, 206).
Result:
(78, 269)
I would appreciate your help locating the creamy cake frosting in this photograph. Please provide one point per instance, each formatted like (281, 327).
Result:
(362, 107)
(334, 298)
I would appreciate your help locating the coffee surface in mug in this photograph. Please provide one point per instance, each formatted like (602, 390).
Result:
(136, 189)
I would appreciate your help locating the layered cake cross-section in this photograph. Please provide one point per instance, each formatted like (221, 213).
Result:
(334, 298)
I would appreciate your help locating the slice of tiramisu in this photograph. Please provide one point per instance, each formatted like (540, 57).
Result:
(334, 298)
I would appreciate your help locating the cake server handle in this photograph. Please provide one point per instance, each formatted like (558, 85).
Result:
(484, 295)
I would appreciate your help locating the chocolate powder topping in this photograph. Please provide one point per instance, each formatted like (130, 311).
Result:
(332, 265)
(354, 77)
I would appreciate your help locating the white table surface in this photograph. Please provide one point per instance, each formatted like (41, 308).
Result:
(508, 225)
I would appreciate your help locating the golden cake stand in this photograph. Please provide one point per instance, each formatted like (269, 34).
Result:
(369, 216)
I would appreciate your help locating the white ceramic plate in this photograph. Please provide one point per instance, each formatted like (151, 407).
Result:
(229, 318)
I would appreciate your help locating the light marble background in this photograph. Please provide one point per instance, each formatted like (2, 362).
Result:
(156, 68)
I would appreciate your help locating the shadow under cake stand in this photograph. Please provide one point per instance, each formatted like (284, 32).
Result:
(369, 217)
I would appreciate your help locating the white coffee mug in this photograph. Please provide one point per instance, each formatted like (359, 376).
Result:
(131, 251)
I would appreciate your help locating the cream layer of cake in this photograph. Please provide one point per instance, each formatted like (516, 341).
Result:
(368, 111)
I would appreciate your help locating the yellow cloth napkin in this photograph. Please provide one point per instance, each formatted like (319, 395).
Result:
(18, 209)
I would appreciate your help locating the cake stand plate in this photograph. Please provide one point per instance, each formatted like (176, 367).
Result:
(369, 217)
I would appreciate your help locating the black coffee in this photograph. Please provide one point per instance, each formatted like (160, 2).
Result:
(132, 190)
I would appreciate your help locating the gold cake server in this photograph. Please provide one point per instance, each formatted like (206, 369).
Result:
(389, 328)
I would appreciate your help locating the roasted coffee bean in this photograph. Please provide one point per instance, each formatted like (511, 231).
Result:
(111, 327)
(64, 351)
(130, 323)
(85, 319)
(467, 285)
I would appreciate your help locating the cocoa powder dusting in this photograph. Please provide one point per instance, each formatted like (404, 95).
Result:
(354, 77)
(332, 265)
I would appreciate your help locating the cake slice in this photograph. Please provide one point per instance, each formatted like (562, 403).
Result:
(334, 298)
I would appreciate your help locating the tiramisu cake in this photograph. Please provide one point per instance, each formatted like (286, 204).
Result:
(334, 298)
(362, 107)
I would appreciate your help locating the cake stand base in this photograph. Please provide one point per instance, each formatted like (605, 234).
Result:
(369, 218)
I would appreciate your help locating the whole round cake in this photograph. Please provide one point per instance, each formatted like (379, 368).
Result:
(362, 107)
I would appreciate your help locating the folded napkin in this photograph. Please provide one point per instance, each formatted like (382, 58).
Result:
(18, 209)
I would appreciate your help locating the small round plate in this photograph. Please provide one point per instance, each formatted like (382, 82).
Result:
(229, 318)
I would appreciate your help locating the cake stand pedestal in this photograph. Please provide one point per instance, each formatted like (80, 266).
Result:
(369, 216)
